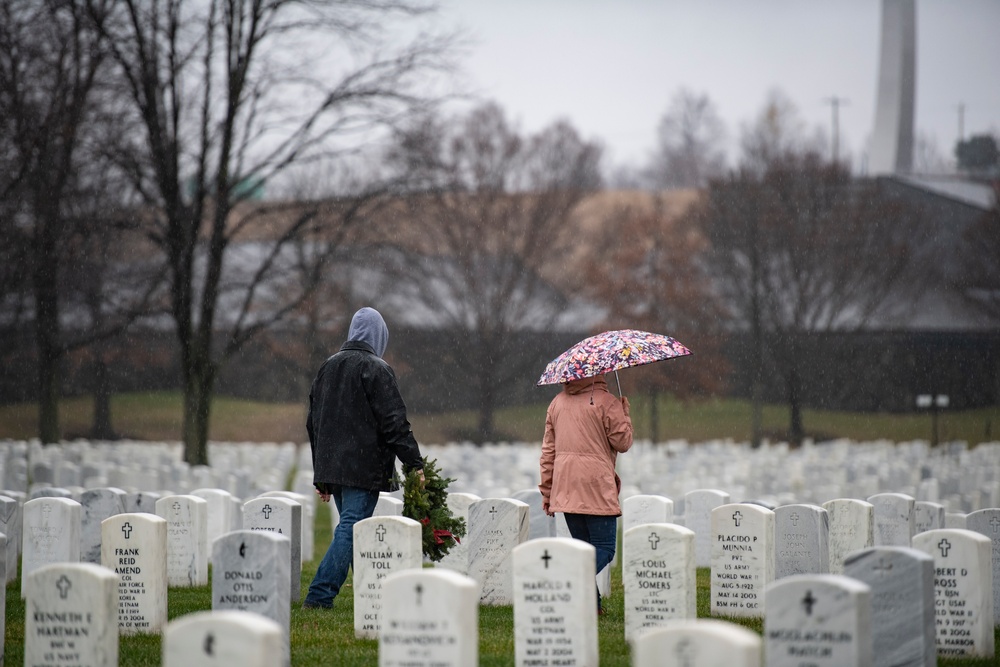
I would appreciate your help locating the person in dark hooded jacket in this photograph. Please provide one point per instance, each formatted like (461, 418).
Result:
(357, 428)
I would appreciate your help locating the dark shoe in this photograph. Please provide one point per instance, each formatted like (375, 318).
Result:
(314, 605)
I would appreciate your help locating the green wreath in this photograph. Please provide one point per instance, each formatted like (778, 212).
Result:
(428, 504)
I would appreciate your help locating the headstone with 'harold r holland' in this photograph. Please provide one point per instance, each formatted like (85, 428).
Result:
(742, 559)
(658, 575)
(72, 616)
(51, 534)
(187, 539)
(217, 638)
(822, 620)
(496, 526)
(902, 583)
(430, 619)
(698, 643)
(852, 527)
(284, 517)
(134, 546)
(801, 540)
(963, 590)
(383, 545)
(250, 573)
(555, 603)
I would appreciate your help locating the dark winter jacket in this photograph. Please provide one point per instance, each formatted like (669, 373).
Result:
(357, 422)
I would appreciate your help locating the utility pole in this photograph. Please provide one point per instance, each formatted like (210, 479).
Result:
(835, 103)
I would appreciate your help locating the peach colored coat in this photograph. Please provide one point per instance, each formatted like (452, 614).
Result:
(585, 429)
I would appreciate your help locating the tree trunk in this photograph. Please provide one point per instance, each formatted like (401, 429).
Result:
(197, 407)
(756, 388)
(101, 429)
(796, 430)
(487, 406)
(654, 417)
(47, 339)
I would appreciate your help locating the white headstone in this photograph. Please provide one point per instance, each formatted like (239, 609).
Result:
(250, 573)
(96, 505)
(187, 539)
(698, 506)
(308, 519)
(284, 517)
(51, 534)
(963, 579)
(540, 524)
(134, 546)
(818, 619)
(72, 617)
(9, 512)
(987, 522)
(457, 558)
(902, 583)
(496, 526)
(894, 526)
(220, 511)
(742, 559)
(852, 527)
(658, 575)
(555, 602)
(388, 506)
(226, 637)
(646, 508)
(927, 516)
(383, 545)
(698, 643)
(431, 618)
(801, 540)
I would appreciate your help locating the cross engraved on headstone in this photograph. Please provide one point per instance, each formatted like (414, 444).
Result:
(794, 518)
(380, 531)
(654, 539)
(176, 507)
(685, 653)
(419, 591)
(64, 584)
(266, 511)
(46, 510)
(808, 601)
(493, 511)
(546, 557)
(944, 545)
(127, 529)
(995, 522)
(881, 568)
(209, 640)
(737, 517)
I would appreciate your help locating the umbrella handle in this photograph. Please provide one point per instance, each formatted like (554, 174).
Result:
(619, 383)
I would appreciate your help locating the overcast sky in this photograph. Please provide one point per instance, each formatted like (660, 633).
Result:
(611, 66)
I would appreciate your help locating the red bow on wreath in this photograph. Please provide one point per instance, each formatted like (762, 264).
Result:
(439, 533)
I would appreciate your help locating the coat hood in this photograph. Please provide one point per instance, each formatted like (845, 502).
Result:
(368, 327)
(586, 384)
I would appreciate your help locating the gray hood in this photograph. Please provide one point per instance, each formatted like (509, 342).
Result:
(368, 327)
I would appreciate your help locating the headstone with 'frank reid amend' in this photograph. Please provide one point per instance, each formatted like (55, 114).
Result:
(134, 546)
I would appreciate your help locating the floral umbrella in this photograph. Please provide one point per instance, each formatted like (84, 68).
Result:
(610, 351)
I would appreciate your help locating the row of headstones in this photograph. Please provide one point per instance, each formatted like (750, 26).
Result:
(962, 479)
(243, 469)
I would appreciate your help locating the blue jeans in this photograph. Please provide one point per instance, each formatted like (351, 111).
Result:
(601, 532)
(354, 505)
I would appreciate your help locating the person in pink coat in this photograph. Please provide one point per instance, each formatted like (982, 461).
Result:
(586, 427)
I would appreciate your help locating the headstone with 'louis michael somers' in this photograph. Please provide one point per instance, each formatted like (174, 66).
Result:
(658, 575)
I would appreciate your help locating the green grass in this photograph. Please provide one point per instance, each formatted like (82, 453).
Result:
(157, 416)
(323, 637)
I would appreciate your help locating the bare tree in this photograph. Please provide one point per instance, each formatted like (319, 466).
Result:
(53, 194)
(228, 96)
(690, 138)
(494, 209)
(644, 268)
(802, 249)
(777, 131)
